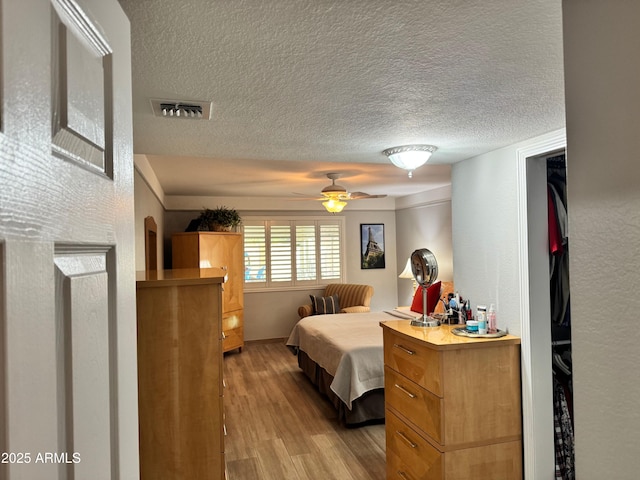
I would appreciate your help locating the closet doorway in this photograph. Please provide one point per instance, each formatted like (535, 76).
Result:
(559, 280)
(535, 312)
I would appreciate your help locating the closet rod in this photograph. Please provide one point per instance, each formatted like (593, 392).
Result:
(560, 342)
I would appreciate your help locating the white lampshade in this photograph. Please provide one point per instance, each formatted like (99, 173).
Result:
(410, 157)
(407, 273)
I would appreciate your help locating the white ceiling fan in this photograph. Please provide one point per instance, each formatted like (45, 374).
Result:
(335, 196)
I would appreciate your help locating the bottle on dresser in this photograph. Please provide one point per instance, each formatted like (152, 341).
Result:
(481, 317)
(492, 325)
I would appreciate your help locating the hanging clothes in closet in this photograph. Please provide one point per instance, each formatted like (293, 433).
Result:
(563, 410)
(560, 317)
(558, 241)
(563, 430)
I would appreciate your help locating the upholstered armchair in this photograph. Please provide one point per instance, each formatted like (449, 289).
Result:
(352, 298)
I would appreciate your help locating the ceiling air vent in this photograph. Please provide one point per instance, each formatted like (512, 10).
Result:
(195, 110)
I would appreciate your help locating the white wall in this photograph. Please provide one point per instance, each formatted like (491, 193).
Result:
(602, 72)
(485, 238)
(425, 225)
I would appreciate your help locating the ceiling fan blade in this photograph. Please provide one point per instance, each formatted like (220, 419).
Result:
(363, 195)
(304, 196)
(337, 192)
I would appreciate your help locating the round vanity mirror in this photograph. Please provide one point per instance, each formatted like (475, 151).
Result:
(424, 267)
(425, 270)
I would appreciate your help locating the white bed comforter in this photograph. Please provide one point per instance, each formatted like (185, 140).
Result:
(348, 346)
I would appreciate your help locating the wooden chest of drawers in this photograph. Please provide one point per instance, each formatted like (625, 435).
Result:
(180, 370)
(453, 405)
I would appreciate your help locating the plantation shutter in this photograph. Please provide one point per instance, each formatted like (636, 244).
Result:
(305, 252)
(330, 258)
(255, 253)
(293, 252)
(280, 251)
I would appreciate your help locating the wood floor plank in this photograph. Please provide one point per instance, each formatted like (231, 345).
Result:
(280, 427)
(339, 457)
(245, 468)
(309, 467)
(315, 467)
(366, 446)
(275, 462)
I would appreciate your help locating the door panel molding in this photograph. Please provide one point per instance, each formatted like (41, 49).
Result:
(87, 400)
(82, 89)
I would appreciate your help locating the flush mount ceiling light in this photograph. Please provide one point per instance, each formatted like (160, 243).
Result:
(410, 157)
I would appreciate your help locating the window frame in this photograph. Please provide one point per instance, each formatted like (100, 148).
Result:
(293, 221)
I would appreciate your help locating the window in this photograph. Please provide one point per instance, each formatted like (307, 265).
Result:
(292, 252)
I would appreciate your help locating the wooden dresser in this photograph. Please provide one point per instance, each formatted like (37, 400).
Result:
(453, 405)
(224, 250)
(180, 384)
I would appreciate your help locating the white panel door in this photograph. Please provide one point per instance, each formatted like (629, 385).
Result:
(68, 385)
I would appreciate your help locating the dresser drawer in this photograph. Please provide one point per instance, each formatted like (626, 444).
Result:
(233, 330)
(233, 339)
(415, 360)
(409, 456)
(421, 407)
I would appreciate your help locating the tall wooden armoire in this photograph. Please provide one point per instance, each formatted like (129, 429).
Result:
(223, 250)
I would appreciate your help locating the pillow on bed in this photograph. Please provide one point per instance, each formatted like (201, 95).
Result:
(322, 305)
(433, 295)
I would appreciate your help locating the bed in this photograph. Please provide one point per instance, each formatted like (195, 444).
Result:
(342, 355)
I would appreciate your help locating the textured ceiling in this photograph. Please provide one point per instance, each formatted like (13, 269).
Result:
(332, 83)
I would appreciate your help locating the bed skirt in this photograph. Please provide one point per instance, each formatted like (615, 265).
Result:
(367, 409)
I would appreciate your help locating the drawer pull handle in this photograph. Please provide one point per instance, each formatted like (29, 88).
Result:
(405, 439)
(405, 350)
(402, 474)
(405, 391)
(224, 336)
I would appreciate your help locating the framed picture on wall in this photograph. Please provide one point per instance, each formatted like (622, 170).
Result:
(372, 245)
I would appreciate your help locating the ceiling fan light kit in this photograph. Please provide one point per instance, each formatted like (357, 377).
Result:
(334, 205)
(410, 157)
(335, 196)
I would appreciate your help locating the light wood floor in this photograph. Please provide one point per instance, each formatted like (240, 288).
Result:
(279, 427)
